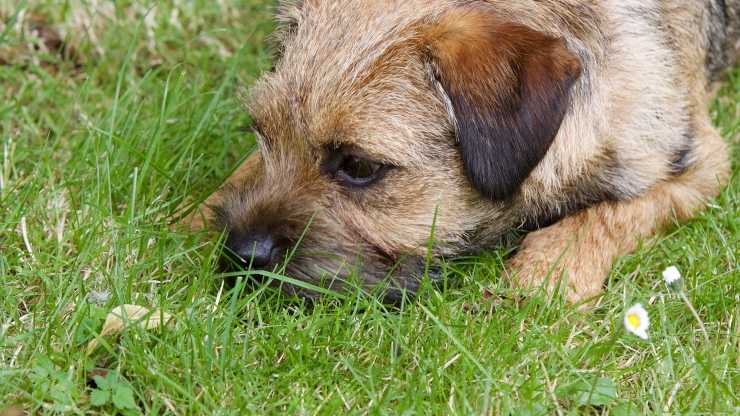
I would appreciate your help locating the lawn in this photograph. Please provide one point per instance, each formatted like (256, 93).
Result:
(113, 115)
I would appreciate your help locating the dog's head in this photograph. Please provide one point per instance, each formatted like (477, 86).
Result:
(386, 126)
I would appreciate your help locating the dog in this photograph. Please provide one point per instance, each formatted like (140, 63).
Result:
(392, 132)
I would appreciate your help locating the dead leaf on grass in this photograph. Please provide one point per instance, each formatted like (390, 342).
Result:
(125, 316)
(13, 411)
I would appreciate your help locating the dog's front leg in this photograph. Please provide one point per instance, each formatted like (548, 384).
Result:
(581, 248)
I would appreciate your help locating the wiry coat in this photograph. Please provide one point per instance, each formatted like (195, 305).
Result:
(584, 120)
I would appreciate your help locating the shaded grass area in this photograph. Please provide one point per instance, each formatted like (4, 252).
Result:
(113, 115)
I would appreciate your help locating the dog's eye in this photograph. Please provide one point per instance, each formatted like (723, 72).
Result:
(344, 166)
(355, 171)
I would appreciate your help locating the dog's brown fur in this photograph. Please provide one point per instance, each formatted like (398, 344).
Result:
(585, 121)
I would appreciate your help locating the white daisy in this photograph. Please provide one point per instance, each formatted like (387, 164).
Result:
(671, 275)
(636, 321)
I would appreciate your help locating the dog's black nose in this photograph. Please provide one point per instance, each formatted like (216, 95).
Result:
(258, 249)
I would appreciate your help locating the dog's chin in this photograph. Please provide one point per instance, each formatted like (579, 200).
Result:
(390, 283)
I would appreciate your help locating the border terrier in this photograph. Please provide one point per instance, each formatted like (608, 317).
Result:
(385, 122)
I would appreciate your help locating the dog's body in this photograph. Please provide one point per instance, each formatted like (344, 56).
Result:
(585, 121)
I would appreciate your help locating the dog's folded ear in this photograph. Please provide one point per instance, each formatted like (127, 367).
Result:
(508, 88)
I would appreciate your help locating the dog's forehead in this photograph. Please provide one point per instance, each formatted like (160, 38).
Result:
(343, 25)
(395, 128)
(399, 120)
(340, 71)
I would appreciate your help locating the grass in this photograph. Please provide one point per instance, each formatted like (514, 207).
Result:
(133, 110)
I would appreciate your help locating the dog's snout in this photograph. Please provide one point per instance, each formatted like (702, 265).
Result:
(259, 250)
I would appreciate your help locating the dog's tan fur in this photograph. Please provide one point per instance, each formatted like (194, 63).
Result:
(418, 84)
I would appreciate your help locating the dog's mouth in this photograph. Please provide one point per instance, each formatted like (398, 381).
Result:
(389, 283)
(313, 276)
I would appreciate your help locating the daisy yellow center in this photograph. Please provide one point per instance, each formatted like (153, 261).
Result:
(633, 320)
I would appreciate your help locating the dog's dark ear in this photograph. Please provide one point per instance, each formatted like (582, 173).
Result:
(508, 87)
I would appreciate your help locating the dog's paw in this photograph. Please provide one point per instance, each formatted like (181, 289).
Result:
(557, 258)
